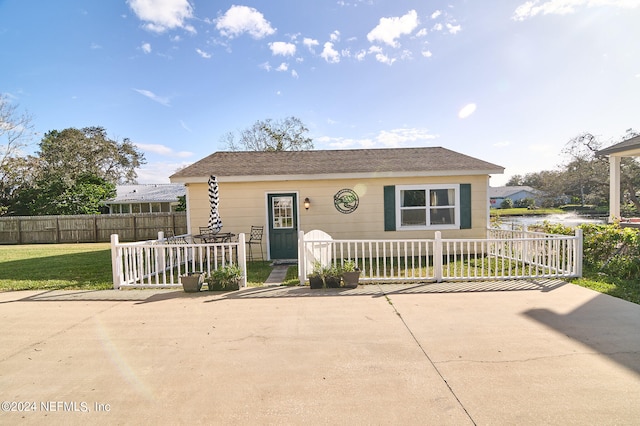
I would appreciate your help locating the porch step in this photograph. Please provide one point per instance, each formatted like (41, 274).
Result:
(278, 273)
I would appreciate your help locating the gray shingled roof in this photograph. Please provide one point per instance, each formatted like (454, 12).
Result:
(507, 191)
(632, 145)
(436, 160)
(150, 193)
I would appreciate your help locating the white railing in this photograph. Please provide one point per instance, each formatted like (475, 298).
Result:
(160, 263)
(504, 255)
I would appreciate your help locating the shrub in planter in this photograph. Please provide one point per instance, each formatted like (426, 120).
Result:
(225, 278)
(332, 277)
(350, 274)
(316, 277)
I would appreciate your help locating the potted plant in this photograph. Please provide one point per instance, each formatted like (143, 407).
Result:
(192, 282)
(225, 278)
(333, 276)
(350, 274)
(316, 277)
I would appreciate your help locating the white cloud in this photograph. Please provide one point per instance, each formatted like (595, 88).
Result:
(163, 150)
(283, 67)
(203, 54)
(163, 15)
(154, 97)
(427, 53)
(243, 19)
(453, 29)
(146, 47)
(282, 48)
(184, 126)
(95, 46)
(361, 55)
(532, 8)
(390, 29)
(381, 57)
(159, 172)
(438, 27)
(329, 54)
(265, 66)
(310, 43)
(467, 110)
(294, 73)
(335, 36)
(402, 137)
(435, 14)
(421, 33)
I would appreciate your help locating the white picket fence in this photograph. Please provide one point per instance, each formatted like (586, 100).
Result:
(160, 263)
(503, 255)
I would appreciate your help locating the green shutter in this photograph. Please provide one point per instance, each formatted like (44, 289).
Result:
(390, 208)
(465, 206)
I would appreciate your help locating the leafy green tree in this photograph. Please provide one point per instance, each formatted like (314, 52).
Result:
(73, 172)
(288, 134)
(84, 196)
(71, 153)
(507, 203)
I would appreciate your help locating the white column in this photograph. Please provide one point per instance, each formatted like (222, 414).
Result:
(614, 188)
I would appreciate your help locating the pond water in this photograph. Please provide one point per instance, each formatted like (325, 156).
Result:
(567, 219)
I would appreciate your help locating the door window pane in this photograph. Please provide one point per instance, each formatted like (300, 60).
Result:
(282, 212)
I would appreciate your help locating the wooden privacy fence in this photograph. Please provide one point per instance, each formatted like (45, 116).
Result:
(503, 255)
(89, 228)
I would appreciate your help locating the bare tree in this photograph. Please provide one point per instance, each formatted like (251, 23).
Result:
(288, 134)
(15, 131)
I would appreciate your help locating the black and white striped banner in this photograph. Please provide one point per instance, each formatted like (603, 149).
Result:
(215, 223)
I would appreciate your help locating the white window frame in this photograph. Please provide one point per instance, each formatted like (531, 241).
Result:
(427, 188)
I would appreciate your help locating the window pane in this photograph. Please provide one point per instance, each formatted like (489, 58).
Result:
(414, 217)
(442, 197)
(413, 198)
(282, 208)
(442, 216)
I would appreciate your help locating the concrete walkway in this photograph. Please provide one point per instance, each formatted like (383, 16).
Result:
(506, 353)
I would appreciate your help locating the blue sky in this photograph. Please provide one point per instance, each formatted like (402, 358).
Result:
(509, 83)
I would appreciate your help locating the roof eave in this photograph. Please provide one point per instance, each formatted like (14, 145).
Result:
(334, 176)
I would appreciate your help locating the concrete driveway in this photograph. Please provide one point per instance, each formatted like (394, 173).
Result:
(506, 353)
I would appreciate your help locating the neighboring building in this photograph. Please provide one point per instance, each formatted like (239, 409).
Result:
(516, 193)
(350, 194)
(150, 198)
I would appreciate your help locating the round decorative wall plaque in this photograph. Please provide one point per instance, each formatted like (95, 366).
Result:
(346, 201)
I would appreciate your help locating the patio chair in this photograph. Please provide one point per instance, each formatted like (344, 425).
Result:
(255, 238)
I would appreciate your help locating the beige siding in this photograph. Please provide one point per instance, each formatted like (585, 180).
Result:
(244, 204)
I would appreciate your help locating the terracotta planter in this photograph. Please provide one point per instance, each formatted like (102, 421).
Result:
(192, 283)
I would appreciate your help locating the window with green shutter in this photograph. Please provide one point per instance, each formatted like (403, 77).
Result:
(416, 207)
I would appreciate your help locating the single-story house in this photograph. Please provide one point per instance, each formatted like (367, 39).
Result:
(399, 193)
(516, 193)
(150, 198)
(627, 148)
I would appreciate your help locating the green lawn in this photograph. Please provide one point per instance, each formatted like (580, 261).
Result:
(73, 267)
(88, 267)
(55, 266)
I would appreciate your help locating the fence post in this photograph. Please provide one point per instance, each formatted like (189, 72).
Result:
(242, 259)
(579, 251)
(115, 261)
(437, 257)
(302, 262)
